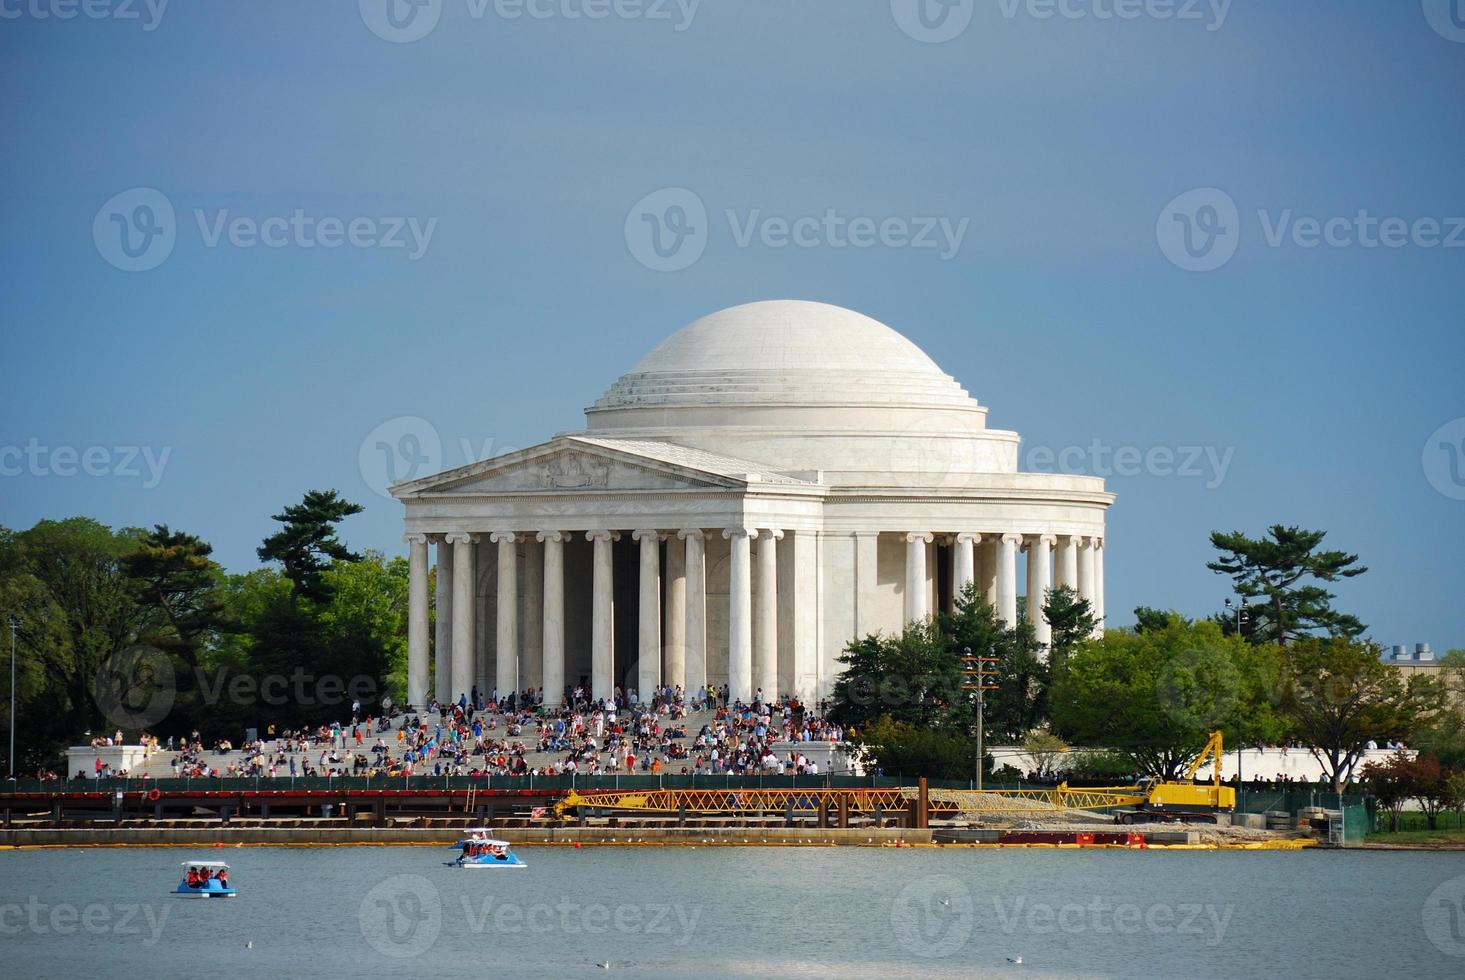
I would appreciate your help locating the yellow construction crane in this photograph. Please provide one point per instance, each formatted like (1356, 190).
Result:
(1153, 798)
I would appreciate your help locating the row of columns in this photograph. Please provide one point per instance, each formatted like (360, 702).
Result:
(752, 657)
(1079, 560)
(1053, 559)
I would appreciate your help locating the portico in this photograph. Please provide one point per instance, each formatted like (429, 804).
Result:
(649, 550)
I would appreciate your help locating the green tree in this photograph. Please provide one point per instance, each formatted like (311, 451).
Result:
(909, 751)
(369, 598)
(1071, 620)
(1279, 569)
(307, 544)
(913, 677)
(178, 589)
(1148, 618)
(44, 663)
(1157, 695)
(78, 561)
(1046, 750)
(1337, 696)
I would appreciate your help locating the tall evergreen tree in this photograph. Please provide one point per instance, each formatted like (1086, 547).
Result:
(307, 544)
(179, 588)
(1275, 569)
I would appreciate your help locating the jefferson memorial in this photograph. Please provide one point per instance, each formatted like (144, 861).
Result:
(766, 484)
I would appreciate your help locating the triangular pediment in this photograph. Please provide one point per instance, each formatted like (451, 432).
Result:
(566, 465)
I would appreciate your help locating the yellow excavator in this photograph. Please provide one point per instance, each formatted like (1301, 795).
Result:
(1187, 797)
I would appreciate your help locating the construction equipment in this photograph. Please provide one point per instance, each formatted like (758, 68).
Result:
(1188, 796)
(1149, 800)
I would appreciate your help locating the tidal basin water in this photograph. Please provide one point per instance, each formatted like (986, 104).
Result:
(736, 911)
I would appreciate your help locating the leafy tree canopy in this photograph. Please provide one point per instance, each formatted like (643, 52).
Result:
(1156, 695)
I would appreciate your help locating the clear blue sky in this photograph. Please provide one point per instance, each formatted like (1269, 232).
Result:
(261, 370)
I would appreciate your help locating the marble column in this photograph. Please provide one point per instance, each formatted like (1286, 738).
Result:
(987, 568)
(1040, 572)
(867, 560)
(765, 635)
(675, 625)
(553, 629)
(915, 575)
(1099, 585)
(506, 645)
(696, 635)
(648, 653)
(740, 615)
(442, 664)
(1086, 570)
(602, 618)
(463, 579)
(416, 620)
(531, 616)
(964, 561)
(1065, 557)
(1007, 578)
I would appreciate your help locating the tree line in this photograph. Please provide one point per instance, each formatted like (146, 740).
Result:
(139, 629)
(1286, 667)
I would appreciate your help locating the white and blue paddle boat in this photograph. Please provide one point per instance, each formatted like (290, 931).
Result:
(205, 879)
(479, 850)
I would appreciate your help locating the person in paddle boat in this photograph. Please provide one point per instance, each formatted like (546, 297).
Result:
(203, 879)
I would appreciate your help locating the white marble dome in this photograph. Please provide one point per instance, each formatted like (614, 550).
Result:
(805, 387)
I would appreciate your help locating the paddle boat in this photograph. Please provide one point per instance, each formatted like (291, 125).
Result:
(479, 850)
(205, 879)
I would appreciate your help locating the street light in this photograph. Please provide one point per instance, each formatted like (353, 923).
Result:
(1242, 613)
(14, 625)
(975, 669)
(1242, 616)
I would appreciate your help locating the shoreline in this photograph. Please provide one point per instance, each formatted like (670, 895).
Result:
(573, 837)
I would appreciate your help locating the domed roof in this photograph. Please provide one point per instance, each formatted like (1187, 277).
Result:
(786, 352)
(785, 335)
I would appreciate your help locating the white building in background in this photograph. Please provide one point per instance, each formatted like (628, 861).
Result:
(767, 483)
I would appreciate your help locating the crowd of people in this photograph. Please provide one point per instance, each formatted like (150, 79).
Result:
(516, 735)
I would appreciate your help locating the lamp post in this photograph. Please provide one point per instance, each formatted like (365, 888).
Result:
(975, 669)
(1242, 615)
(14, 625)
